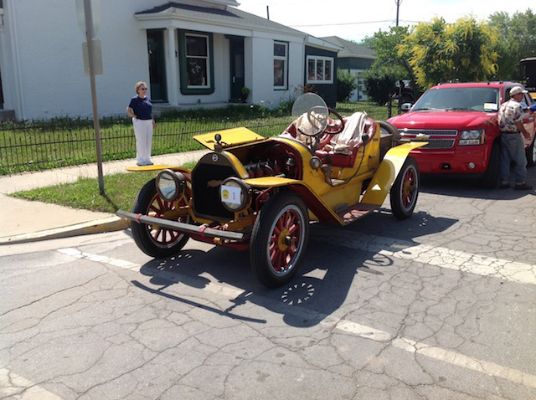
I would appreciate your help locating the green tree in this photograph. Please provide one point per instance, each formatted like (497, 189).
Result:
(517, 40)
(389, 60)
(346, 83)
(463, 51)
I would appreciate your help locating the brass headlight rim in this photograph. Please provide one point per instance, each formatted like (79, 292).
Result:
(178, 178)
(246, 190)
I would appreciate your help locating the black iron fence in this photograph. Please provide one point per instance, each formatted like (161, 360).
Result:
(51, 144)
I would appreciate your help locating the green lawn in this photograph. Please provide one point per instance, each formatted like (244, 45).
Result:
(121, 189)
(63, 142)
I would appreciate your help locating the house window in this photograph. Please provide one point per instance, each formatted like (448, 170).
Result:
(319, 69)
(280, 65)
(196, 63)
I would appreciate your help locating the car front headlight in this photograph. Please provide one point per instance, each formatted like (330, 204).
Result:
(170, 184)
(472, 137)
(234, 194)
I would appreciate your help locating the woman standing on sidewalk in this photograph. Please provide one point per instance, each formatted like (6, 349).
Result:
(140, 110)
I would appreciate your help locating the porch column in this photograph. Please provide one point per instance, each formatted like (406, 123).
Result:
(172, 66)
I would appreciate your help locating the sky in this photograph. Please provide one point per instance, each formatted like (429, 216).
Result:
(357, 19)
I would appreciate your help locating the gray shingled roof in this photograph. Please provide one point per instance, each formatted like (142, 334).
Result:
(231, 14)
(350, 49)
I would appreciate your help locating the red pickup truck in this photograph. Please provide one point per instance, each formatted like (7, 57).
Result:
(459, 122)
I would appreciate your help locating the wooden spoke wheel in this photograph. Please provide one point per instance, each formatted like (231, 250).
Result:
(153, 240)
(279, 239)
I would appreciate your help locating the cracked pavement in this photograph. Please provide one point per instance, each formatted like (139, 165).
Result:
(440, 306)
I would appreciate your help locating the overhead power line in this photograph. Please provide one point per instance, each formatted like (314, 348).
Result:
(355, 23)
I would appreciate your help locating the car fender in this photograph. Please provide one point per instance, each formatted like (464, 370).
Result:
(160, 167)
(317, 206)
(385, 175)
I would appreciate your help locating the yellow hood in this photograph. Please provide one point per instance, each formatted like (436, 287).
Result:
(229, 137)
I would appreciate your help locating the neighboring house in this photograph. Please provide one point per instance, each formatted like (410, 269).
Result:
(355, 59)
(192, 53)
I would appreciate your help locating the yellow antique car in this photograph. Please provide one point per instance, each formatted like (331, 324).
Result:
(260, 194)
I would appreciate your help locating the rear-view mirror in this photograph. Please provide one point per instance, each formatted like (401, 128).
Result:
(405, 107)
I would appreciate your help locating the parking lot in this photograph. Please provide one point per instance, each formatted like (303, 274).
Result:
(439, 306)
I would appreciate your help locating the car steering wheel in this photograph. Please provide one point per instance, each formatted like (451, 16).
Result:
(318, 122)
(334, 126)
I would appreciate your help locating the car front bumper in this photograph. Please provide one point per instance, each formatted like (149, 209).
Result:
(201, 230)
(469, 161)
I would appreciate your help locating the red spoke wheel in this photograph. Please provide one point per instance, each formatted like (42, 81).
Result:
(405, 190)
(279, 239)
(157, 241)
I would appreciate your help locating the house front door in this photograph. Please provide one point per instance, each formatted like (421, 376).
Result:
(236, 46)
(157, 65)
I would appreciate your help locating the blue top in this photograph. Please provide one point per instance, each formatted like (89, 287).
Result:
(142, 107)
(533, 107)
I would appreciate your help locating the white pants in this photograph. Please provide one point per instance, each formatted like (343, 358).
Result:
(143, 130)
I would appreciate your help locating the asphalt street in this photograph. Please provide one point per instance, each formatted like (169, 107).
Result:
(440, 306)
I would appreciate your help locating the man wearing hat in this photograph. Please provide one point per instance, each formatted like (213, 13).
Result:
(512, 146)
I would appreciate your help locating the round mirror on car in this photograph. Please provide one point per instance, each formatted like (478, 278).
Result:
(170, 184)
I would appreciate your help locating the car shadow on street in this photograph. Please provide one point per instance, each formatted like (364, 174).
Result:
(457, 186)
(321, 285)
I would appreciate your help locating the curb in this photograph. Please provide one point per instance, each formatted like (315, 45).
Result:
(109, 224)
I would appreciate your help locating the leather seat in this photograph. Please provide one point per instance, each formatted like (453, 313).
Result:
(343, 147)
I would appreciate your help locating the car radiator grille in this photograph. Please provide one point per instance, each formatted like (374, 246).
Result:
(206, 180)
(437, 139)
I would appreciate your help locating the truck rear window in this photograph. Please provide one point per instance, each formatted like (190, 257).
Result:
(460, 98)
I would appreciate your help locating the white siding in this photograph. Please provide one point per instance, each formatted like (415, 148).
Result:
(262, 61)
(42, 67)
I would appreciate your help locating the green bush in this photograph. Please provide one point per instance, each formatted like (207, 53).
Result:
(346, 83)
(380, 85)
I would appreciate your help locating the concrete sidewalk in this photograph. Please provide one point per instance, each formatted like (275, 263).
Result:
(27, 221)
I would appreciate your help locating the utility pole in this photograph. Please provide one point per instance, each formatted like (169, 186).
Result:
(397, 9)
(90, 38)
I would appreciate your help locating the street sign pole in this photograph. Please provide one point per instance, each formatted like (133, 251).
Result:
(90, 48)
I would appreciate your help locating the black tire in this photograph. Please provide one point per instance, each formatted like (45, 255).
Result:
(405, 190)
(157, 242)
(490, 178)
(389, 137)
(530, 152)
(285, 209)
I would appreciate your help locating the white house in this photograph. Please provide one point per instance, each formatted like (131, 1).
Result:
(191, 52)
(355, 59)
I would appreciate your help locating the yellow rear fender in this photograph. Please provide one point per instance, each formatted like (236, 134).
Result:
(385, 175)
(311, 200)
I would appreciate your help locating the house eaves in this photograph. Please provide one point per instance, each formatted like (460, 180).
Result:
(225, 20)
(351, 49)
(322, 44)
